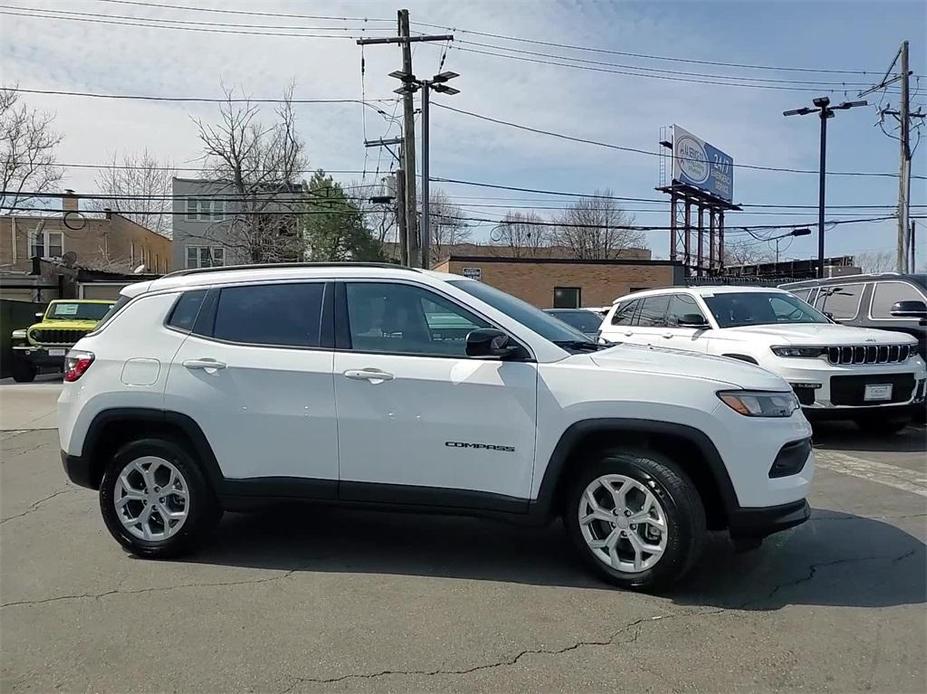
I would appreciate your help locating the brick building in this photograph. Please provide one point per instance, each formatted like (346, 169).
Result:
(566, 282)
(107, 241)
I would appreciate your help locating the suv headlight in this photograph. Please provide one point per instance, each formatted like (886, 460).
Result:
(789, 351)
(760, 403)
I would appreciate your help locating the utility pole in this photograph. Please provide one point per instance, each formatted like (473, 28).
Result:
(413, 239)
(913, 252)
(904, 174)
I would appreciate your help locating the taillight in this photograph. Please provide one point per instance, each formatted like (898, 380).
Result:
(76, 363)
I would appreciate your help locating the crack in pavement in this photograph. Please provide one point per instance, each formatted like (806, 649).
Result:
(637, 625)
(35, 506)
(119, 591)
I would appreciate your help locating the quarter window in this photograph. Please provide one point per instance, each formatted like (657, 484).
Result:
(402, 319)
(681, 305)
(288, 315)
(801, 293)
(184, 314)
(886, 294)
(653, 311)
(841, 301)
(624, 314)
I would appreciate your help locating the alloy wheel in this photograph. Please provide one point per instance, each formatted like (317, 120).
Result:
(151, 498)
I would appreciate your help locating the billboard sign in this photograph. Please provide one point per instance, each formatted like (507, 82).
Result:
(701, 165)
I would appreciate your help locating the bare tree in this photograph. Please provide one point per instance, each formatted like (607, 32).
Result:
(447, 226)
(746, 252)
(876, 261)
(257, 168)
(27, 151)
(596, 228)
(138, 187)
(522, 234)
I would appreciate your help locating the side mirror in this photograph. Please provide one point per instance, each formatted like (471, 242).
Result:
(491, 343)
(909, 309)
(693, 320)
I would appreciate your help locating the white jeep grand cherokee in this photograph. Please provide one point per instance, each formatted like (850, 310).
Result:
(212, 390)
(874, 377)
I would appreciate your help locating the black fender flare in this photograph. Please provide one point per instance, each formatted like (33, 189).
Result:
(543, 505)
(742, 357)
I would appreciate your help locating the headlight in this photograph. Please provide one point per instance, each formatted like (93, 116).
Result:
(19, 334)
(760, 403)
(787, 351)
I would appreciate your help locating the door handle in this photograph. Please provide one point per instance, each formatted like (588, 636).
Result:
(208, 365)
(629, 333)
(667, 335)
(371, 375)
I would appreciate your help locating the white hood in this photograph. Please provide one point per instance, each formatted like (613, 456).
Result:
(662, 360)
(818, 334)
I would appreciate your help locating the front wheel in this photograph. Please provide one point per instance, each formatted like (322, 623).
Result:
(155, 500)
(636, 519)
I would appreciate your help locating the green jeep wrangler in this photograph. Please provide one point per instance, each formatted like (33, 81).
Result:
(44, 344)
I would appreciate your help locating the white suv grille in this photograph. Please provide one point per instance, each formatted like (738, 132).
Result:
(868, 354)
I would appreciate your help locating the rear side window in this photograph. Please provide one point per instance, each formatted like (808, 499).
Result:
(653, 312)
(288, 315)
(888, 293)
(840, 301)
(183, 316)
(802, 294)
(624, 314)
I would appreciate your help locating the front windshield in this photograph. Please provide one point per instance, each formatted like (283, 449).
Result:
(533, 318)
(584, 321)
(739, 309)
(72, 310)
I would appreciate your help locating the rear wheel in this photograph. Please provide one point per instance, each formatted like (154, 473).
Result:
(23, 371)
(636, 519)
(155, 500)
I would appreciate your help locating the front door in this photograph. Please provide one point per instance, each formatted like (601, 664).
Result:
(255, 377)
(684, 308)
(418, 420)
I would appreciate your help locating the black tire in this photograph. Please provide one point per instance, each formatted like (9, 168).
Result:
(204, 510)
(883, 426)
(682, 506)
(23, 371)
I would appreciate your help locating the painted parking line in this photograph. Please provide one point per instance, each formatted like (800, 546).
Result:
(881, 473)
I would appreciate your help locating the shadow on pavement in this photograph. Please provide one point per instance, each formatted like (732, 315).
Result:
(834, 559)
(846, 436)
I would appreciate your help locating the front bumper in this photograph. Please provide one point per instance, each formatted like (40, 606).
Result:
(757, 523)
(42, 356)
(839, 390)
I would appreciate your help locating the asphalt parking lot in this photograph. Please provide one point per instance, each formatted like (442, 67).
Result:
(329, 600)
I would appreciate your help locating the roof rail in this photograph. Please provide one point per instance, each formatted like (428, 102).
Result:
(265, 266)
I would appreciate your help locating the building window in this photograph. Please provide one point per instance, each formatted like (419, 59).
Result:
(567, 297)
(204, 210)
(205, 256)
(46, 244)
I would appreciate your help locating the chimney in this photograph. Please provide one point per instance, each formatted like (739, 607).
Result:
(108, 211)
(68, 201)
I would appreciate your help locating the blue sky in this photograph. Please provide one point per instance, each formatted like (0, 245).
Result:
(619, 109)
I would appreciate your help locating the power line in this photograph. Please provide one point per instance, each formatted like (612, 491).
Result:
(638, 150)
(253, 13)
(198, 99)
(693, 61)
(822, 84)
(129, 167)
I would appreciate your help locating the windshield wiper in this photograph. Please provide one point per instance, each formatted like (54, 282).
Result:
(585, 345)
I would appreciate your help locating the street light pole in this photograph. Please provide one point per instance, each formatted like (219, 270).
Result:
(825, 111)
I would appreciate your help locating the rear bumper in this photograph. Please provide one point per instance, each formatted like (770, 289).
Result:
(79, 471)
(760, 522)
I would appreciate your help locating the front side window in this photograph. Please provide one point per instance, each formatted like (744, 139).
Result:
(402, 319)
(682, 307)
(738, 309)
(888, 293)
(840, 301)
(288, 315)
(653, 311)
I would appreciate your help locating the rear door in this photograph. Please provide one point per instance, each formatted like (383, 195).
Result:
(652, 328)
(418, 420)
(255, 373)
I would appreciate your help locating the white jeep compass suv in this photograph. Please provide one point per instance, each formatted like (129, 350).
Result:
(873, 377)
(376, 385)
